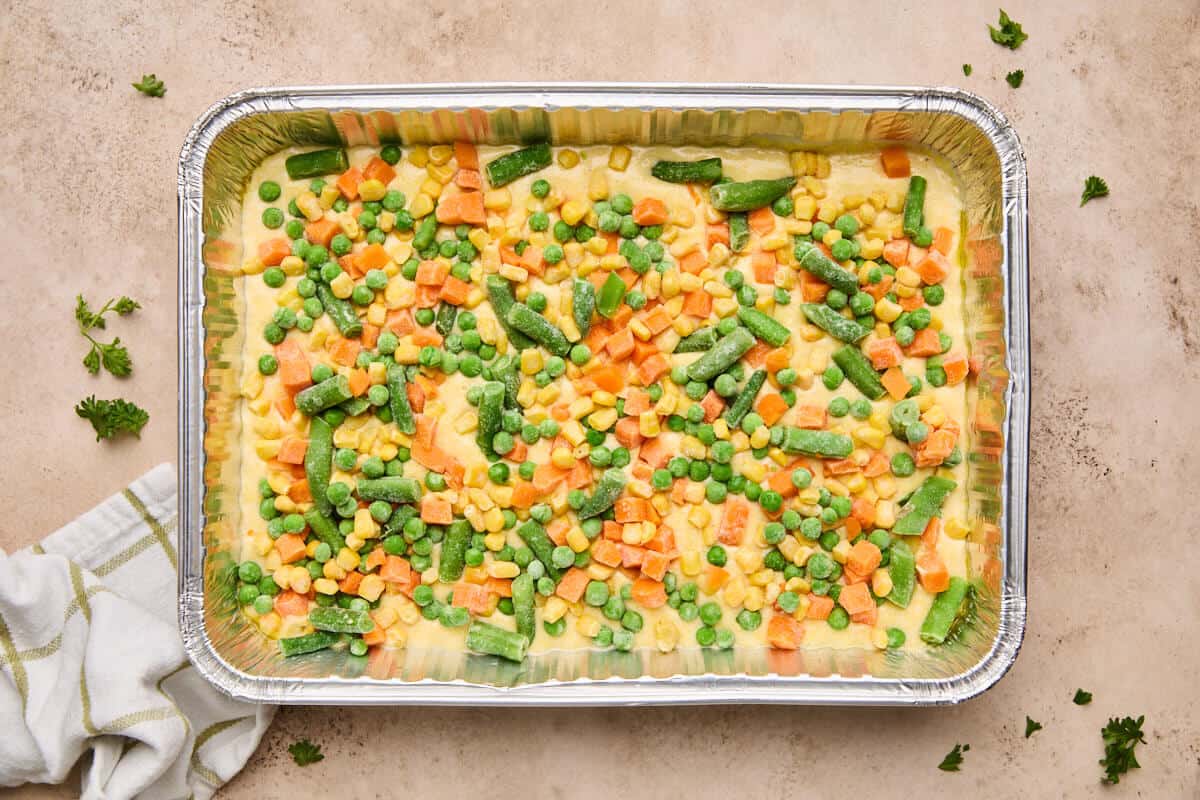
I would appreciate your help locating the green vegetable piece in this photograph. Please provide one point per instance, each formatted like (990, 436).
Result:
(706, 170)
(698, 341)
(813, 260)
(309, 643)
(1015, 78)
(823, 444)
(341, 312)
(583, 305)
(611, 295)
(341, 620)
(1093, 187)
(858, 370)
(764, 326)
(393, 489)
(316, 163)
(749, 195)
(902, 568)
(608, 489)
(946, 609)
(454, 551)
(914, 206)
(536, 539)
(425, 233)
(739, 232)
(523, 596)
(538, 328)
(318, 464)
(402, 413)
(323, 527)
(925, 503)
(833, 323)
(491, 414)
(151, 86)
(112, 417)
(723, 355)
(526, 161)
(1009, 34)
(745, 399)
(483, 637)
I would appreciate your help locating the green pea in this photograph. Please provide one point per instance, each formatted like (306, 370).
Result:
(269, 191)
(553, 253)
(832, 377)
(903, 465)
(540, 188)
(838, 619)
(717, 556)
(621, 203)
(835, 299)
(839, 407)
(710, 613)
(539, 221)
(274, 277)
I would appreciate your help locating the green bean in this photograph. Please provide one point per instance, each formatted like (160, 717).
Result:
(426, 230)
(825, 444)
(326, 394)
(454, 551)
(318, 463)
(316, 163)
(946, 609)
(745, 399)
(398, 519)
(510, 166)
(706, 170)
(834, 323)
(341, 312)
(483, 637)
(500, 295)
(902, 569)
(914, 206)
(749, 195)
(698, 341)
(611, 295)
(764, 326)
(608, 489)
(739, 232)
(583, 305)
(813, 260)
(393, 489)
(309, 643)
(924, 504)
(523, 605)
(341, 620)
(858, 371)
(535, 538)
(445, 318)
(491, 412)
(355, 405)
(538, 328)
(402, 413)
(723, 355)
(510, 376)
(323, 527)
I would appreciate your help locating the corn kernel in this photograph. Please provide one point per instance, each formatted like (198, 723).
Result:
(885, 513)
(555, 609)
(421, 205)
(342, 286)
(734, 592)
(577, 540)
(881, 582)
(603, 419)
(666, 635)
(618, 158)
(689, 563)
(325, 586)
(754, 599)
(955, 529)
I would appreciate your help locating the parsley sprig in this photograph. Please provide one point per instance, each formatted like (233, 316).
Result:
(112, 417)
(1015, 78)
(113, 356)
(305, 752)
(1009, 34)
(1094, 187)
(1121, 737)
(1032, 726)
(151, 85)
(1081, 697)
(954, 758)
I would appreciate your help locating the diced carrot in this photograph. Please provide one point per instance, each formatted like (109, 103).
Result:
(455, 291)
(649, 593)
(519, 453)
(524, 495)
(781, 480)
(679, 492)
(620, 345)
(931, 571)
(292, 450)
(291, 604)
(349, 263)
(468, 179)
(762, 220)
(863, 558)
(810, 416)
(344, 351)
(379, 170)
(819, 606)
(351, 582)
(533, 259)
(712, 579)
(764, 266)
(772, 407)
(936, 448)
(851, 576)
(571, 587)
(472, 597)
(465, 155)
(853, 527)
(416, 396)
(925, 343)
(322, 231)
(657, 320)
(841, 466)
(432, 273)
(299, 491)
(717, 234)
(655, 452)
(734, 522)
(557, 530)
(290, 547)
(894, 161)
(694, 262)
(370, 335)
(697, 304)
(294, 370)
(630, 509)
(896, 384)
(856, 598)
(956, 367)
(376, 558)
(785, 632)
(580, 475)
(631, 555)
(426, 336)
(273, 251)
(663, 542)
(636, 401)
(285, 404)
(880, 287)
(449, 210)
(628, 432)
(375, 636)
(895, 252)
(813, 290)
(863, 510)
(757, 354)
(934, 268)
(606, 552)
(652, 368)
(359, 382)
(943, 239)
(933, 530)
(499, 586)
(643, 350)
(373, 256)
(654, 566)
(348, 181)
(777, 359)
(877, 465)
(471, 208)
(436, 510)
(547, 477)
(650, 211)
(885, 353)
(713, 405)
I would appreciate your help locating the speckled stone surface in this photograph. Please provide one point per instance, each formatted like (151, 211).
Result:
(1114, 597)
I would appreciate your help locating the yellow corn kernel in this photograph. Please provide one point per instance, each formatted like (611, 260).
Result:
(266, 449)
(562, 458)
(342, 286)
(439, 154)
(495, 541)
(648, 425)
(955, 529)
(618, 158)
(755, 471)
(371, 190)
(734, 593)
(754, 599)
(885, 486)
(603, 398)
(421, 205)
(441, 173)
(503, 569)
(531, 361)
(371, 587)
(881, 582)
(760, 437)
(325, 586)
(347, 559)
(699, 516)
(869, 436)
(762, 577)
(603, 419)
(666, 635)
(555, 609)
(748, 560)
(885, 514)
(310, 206)
(587, 625)
(548, 395)
(577, 540)
(573, 211)
(270, 623)
(689, 562)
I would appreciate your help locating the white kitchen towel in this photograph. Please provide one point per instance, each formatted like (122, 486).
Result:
(91, 660)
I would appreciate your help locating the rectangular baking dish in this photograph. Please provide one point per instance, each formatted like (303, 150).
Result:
(231, 138)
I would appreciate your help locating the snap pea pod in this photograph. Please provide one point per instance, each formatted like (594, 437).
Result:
(764, 326)
(749, 195)
(325, 528)
(316, 163)
(341, 312)
(523, 605)
(318, 463)
(326, 394)
(309, 643)
(608, 489)
(834, 323)
(946, 609)
(924, 504)
(445, 318)
(858, 371)
(491, 412)
(723, 355)
(535, 538)
(454, 550)
(914, 206)
(739, 232)
(825, 444)
(583, 305)
(611, 295)
(706, 170)
(813, 260)
(399, 517)
(538, 328)
(500, 295)
(355, 406)
(903, 571)
(426, 230)
(510, 166)
(340, 620)
(745, 400)
(402, 413)
(483, 637)
(697, 341)
(393, 489)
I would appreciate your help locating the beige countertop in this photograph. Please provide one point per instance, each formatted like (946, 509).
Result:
(1114, 602)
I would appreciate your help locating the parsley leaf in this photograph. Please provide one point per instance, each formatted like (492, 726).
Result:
(1015, 77)
(150, 85)
(1009, 34)
(113, 356)
(111, 417)
(954, 758)
(1081, 697)
(967, 69)
(1121, 736)
(1094, 187)
(305, 752)
(1031, 726)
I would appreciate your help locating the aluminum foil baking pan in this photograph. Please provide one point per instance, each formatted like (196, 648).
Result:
(231, 138)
